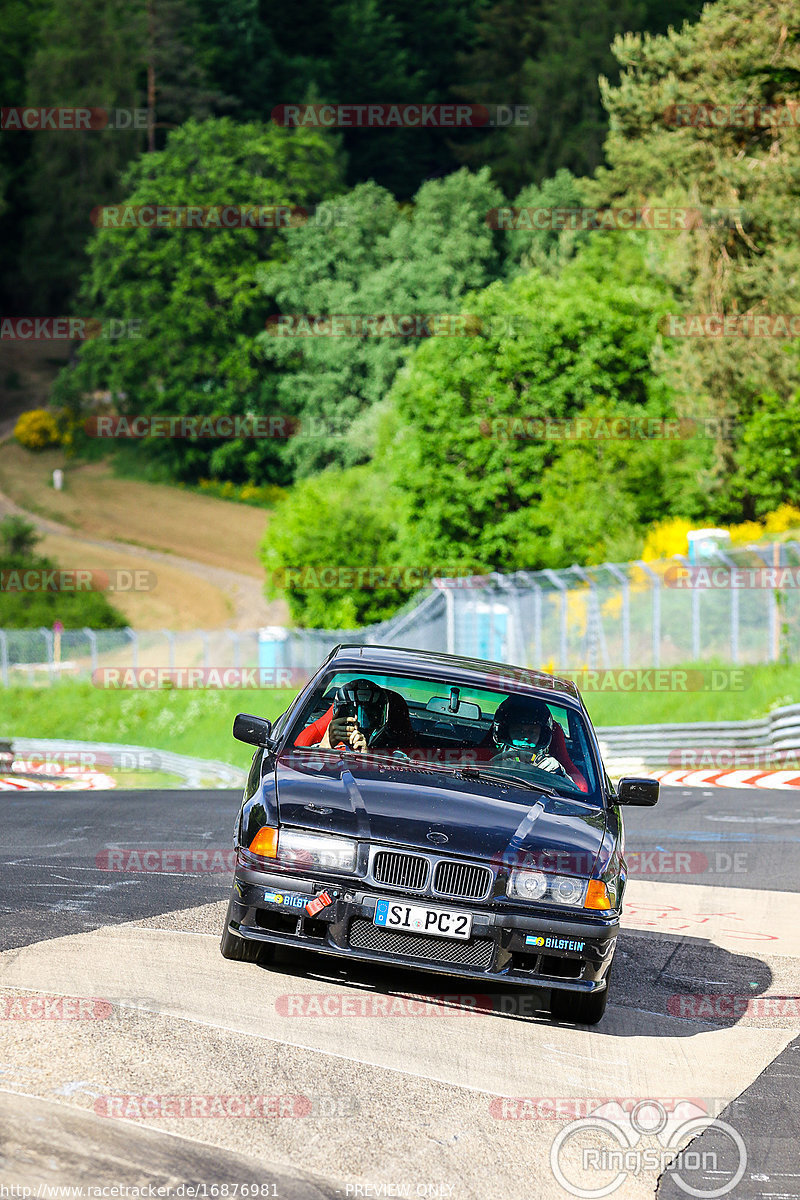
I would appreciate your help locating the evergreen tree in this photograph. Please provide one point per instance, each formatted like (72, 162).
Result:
(743, 175)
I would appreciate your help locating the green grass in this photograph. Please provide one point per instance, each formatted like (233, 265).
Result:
(748, 692)
(188, 722)
(198, 723)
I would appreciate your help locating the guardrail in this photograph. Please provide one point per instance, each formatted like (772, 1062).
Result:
(628, 747)
(195, 772)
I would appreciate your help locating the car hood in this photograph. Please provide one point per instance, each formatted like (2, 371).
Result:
(402, 806)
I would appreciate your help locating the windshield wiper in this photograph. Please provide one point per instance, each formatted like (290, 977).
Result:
(474, 773)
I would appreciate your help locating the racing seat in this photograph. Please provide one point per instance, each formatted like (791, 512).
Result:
(559, 751)
(399, 733)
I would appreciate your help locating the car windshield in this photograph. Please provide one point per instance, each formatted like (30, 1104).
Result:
(450, 726)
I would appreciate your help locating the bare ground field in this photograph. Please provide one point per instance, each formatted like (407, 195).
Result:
(202, 550)
(154, 516)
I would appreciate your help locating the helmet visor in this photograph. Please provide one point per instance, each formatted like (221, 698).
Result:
(524, 733)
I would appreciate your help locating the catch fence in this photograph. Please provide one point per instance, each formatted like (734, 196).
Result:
(739, 605)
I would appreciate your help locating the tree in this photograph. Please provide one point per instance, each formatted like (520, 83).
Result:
(98, 54)
(478, 487)
(18, 538)
(664, 149)
(546, 249)
(23, 608)
(88, 55)
(328, 529)
(193, 291)
(546, 56)
(768, 456)
(365, 256)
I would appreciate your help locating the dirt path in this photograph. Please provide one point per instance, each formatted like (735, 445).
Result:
(217, 585)
(194, 594)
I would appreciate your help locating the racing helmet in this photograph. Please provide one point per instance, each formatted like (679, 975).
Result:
(512, 727)
(367, 702)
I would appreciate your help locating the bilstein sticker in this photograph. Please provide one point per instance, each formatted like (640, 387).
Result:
(553, 943)
(287, 899)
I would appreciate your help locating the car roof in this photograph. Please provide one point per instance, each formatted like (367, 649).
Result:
(451, 667)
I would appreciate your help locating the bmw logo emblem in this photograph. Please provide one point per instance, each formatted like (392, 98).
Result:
(438, 839)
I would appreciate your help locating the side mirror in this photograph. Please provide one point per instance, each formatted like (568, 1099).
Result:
(254, 730)
(643, 792)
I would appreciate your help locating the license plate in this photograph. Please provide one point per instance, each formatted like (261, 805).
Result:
(414, 918)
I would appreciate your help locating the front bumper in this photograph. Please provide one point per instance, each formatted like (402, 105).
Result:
(571, 952)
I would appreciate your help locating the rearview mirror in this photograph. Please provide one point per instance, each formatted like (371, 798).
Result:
(643, 792)
(254, 730)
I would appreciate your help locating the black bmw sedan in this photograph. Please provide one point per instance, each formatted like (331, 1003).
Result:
(439, 813)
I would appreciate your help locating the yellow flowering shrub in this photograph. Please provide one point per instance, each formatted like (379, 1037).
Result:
(37, 429)
(666, 538)
(748, 531)
(785, 516)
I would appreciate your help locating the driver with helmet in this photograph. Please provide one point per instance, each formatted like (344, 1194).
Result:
(522, 730)
(360, 715)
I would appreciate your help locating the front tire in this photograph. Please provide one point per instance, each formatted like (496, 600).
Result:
(579, 1008)
(241, 949)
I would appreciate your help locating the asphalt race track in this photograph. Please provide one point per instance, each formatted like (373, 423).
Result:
(310, 1079)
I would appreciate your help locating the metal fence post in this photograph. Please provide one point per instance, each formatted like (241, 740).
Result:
(625, 588)
(91, 637)
(563, 665)
(537, 624)
(4, 657)
(170, 636)
(47, 634)
(656, 585)
(134, 640)
(731, 565)
(237, 647)
(450, 620)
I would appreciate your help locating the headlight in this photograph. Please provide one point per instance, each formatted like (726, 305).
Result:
(309, 850)
(552, 889)
(527, 885)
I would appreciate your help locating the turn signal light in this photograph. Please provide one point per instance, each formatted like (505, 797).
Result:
(597, 895)
(265, 843)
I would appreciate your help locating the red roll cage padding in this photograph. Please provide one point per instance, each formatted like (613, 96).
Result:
(314, 733)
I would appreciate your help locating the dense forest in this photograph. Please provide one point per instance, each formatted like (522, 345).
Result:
(417, 448)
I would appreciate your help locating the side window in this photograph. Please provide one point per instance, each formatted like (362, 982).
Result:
(254, 777)
(560, 714)
(279, 724)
